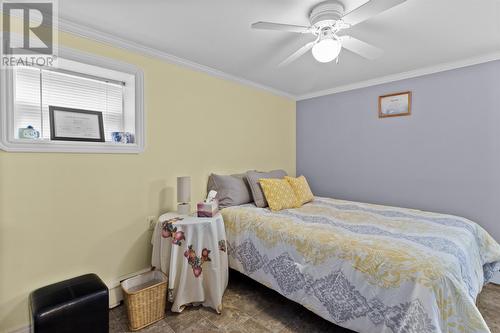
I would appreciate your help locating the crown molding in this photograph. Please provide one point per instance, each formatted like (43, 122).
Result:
(404, 75)
(110, 39)
(86, 32)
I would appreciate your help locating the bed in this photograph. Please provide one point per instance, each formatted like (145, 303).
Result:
(365, 267)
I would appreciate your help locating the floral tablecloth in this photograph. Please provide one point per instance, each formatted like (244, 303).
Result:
(192, 252)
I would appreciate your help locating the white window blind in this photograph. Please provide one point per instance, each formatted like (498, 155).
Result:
(36, 89)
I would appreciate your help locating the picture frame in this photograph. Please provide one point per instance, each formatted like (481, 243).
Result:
(69, 124)
(395, 105)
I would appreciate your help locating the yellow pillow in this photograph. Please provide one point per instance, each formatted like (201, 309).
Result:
(279, 194)
(301, 189)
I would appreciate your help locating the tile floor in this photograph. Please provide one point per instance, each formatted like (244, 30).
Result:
(251, 307)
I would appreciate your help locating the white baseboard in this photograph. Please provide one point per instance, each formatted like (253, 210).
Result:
(115, 296)
(23, 329)
(496, 278)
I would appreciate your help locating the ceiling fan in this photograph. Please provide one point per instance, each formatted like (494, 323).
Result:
(328, 22)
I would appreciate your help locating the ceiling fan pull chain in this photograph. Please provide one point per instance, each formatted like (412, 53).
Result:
(338, 57)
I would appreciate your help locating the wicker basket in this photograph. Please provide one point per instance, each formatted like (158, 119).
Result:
(145, 298)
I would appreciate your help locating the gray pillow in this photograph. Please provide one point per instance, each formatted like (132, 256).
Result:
(253, 180)
(231, 190)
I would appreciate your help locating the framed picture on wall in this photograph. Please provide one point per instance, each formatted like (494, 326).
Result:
(394, 105)
(70, 124)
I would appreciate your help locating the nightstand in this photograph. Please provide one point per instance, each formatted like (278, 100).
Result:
(192, 252)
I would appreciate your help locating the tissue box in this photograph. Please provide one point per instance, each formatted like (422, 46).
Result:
(209, 209)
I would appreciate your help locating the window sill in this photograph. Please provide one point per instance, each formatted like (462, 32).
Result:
(47, 146)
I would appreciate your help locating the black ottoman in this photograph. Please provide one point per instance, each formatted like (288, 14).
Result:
(76, 305)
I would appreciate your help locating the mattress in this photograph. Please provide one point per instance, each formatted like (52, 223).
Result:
(367, 267)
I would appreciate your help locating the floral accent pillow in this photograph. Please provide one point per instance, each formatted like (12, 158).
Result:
(301, 189)
(279, 194)
(253, 178)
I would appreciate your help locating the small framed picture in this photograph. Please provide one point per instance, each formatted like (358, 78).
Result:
(394, 105)
(70, 124)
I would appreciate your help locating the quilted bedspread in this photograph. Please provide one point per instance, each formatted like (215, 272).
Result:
(366, 267)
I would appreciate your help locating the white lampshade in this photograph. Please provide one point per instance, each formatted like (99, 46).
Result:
(183, 189)
(326, 50)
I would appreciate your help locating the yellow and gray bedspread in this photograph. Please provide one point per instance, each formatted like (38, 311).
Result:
(366, 267)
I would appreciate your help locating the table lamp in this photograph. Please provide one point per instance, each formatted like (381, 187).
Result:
(183, 195)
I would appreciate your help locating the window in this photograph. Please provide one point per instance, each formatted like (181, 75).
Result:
(97, 85)
(36, 88)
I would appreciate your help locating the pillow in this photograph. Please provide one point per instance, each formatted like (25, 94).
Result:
(301, 189)
(231, 190)
(253, 181)
(279, 194)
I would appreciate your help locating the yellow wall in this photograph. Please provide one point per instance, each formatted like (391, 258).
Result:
(62, 215)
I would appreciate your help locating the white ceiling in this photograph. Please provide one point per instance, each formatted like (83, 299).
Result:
(217, 34)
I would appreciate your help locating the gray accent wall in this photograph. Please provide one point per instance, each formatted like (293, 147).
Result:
(445, 157)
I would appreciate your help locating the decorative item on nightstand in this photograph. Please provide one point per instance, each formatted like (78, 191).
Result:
(209, 207)
(183, 195)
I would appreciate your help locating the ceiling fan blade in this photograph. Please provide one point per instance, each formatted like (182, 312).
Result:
(361, 48)
(368, 10)
(281, 27)
(297, 54)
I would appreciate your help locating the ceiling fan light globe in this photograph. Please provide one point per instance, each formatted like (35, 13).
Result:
(326, 50)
